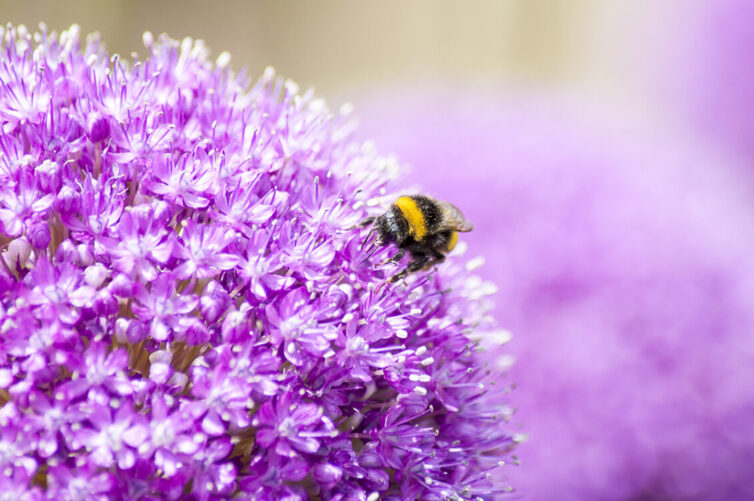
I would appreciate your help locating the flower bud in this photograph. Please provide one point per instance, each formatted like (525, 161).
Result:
(39, 235)
(97, 127)
(327, 474)
(67, 200)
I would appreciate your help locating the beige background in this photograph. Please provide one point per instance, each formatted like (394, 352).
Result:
(341, 46)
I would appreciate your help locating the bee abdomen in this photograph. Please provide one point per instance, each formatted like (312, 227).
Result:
(452, 241)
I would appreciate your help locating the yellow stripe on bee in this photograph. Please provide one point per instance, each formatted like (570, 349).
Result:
(453, 240)
(417, 226)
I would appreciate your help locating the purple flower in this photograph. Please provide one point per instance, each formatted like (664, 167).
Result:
(170, 435)
(259, 274)
(238, 207)
(58, 292)
(143, 241)
(83, 482)
(50, 415)
(220, 396)
(164, 309)
(90, 212)
(294, 327)
(185, 310)
(202, 249)
(271, 477)
(22, 204)
(213, 473)
(17, 485)
(100, 367)
(357, 354)
(183, 184)
(289, 428)
(622, 255)
(16, 450)
(111, 437)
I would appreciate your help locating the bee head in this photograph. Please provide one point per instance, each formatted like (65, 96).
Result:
(392, 227)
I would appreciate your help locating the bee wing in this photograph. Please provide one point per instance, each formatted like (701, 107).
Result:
(453, 218)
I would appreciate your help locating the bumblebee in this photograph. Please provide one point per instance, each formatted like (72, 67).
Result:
(423, 226)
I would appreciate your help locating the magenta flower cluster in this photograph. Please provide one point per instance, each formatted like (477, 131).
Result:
(185, 311)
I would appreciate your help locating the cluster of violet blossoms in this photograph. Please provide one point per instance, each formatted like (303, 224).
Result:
(185, 309)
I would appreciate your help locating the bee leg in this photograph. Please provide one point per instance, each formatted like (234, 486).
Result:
(395, 257)
(415, 265)
(437, 259)
(431, 265)
(363, 223)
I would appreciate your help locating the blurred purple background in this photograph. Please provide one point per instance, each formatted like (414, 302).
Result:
(624, 262)
(605, 152)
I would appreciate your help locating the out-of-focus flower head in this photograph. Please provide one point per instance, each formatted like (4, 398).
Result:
(184, 308)
(625, 265)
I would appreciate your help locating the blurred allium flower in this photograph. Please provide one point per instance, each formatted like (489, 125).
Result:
(624, 258)
(184, 309)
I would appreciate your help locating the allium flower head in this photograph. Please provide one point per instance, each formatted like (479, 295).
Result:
(184, 308)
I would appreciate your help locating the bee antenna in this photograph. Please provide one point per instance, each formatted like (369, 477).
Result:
(368, 237)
